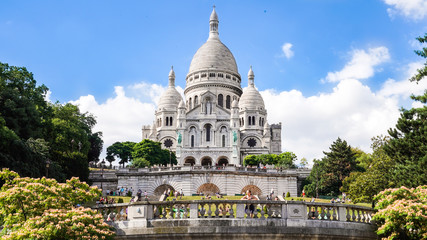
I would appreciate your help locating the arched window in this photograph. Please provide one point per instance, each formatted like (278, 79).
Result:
(249, 120)
(253, 120)
(260, 122)
(196, 100)
(221, 100)
(223, 140)
(240, 121)
(192, 140)
(208, 132)
(167, 121)
(189, 103)
(170, 121)
(243, 121)
(227, 102)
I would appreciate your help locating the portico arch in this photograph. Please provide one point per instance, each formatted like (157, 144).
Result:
(255, 190)
(208, 188)
(206, 161)
(222, 161)
(190, 160)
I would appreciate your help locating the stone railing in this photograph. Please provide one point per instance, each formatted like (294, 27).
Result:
(235, 209)
(212, 168)
(238, 219)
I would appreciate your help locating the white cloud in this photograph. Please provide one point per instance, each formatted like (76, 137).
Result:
(286, 48)
(361, 65)
(413, 9)
(351, 111)
(120, 118)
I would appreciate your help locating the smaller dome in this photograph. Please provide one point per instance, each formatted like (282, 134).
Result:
(251, 98)
(235, 104)
(169, 99)
(181, 104)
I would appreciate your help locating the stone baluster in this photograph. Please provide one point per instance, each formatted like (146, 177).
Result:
(262, 212)
(210, 210)
(328, 213)
(231, 212)
(334, 214)
(354, 215)
(163, 211)
(217, 210)
(202, 210)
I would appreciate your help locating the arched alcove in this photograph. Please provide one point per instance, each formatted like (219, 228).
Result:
(255, 190)
(162, 188)
(208, 188)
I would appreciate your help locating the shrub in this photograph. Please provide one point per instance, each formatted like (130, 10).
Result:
(120, 200)
(288, 194)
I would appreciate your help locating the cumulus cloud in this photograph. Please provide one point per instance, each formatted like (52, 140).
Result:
(362, 64)
(120, 117)
(287, 51)
(413, 9)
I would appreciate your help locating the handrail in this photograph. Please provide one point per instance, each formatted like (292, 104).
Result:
(235, 209)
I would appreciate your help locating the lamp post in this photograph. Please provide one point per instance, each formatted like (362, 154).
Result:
(47, 167)
(102, 174)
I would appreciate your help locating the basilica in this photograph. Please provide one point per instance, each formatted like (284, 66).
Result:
(217, 123)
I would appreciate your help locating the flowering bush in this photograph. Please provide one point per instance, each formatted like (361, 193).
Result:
(402, 213)
(41, 208)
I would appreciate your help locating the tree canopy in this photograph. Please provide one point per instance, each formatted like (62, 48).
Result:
(34, 131)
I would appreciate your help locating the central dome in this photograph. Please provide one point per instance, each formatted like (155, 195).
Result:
(213, 55)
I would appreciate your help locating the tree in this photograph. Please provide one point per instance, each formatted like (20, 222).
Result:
(41, 208)
(140, 163)
(402, 213)
(286, 160)
(339, 163)
(408, 144)
(251, 160)
(363, 186)
(121, 150)
(96, 144)
(153, 153)
(315, 182)
(303, 162)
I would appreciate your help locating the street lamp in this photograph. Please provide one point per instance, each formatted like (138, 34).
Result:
(102, 174)
(47, 167)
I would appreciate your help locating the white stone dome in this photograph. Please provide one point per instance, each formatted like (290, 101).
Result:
(251, 99)
(213, 55)
(169, 99)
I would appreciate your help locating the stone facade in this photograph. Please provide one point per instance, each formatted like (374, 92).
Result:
(217, 123)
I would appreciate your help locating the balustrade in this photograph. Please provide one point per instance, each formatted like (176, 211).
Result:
(239, 209)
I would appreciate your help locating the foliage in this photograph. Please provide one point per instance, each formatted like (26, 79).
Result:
(288, 194)
(41, 208)
(363, 186)
(286, 160)
(251, 160)
(303, 162)
(140, 163)
(33, 130)
(153, 153)
(121, 150)
(327, 175)
(96, 144)
(402, 213)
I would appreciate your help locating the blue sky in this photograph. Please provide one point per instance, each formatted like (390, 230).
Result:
(338, 68)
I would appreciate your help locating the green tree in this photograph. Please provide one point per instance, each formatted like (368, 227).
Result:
(268, 159)
(251, 160)
(153, 153)
(41, 208)
(286, 160)
(96, 144)
(339, 163)
(314, 185)
(408, 144)
(22, 102)
(140, 163)
(303, 162)
(402, 213)
(121, 150)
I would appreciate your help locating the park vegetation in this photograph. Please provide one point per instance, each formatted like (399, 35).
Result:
(283, 160)
(146, 153)
(42, 208)
(38, 137)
